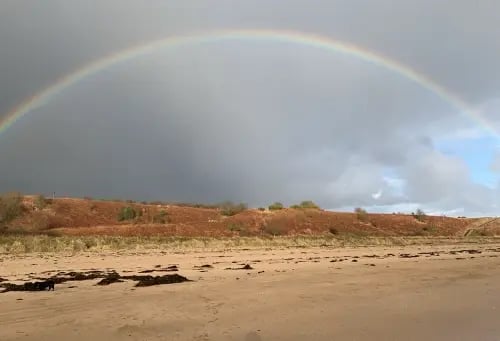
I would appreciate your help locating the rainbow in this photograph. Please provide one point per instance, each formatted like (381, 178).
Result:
(310, 40)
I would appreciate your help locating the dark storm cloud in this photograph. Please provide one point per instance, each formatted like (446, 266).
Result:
(254, 121)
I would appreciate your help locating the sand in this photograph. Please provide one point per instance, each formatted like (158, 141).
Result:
(291, 294)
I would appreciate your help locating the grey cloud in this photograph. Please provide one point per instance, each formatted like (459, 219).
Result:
(253, 121)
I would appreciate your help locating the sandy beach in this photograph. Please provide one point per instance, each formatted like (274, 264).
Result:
(366, 293)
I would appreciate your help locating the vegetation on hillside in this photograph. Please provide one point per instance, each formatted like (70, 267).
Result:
(161, 217)
(40, 202)
(276, 206)
(419, 215)
(71, 216)
(10, 207)
(306, 204)
(127, 213)
(361, 214)
(229, 208)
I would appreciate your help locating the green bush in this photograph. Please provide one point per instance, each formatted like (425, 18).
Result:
(10, 206)
(241, 229)
(276, 206)
(161, 217)
(306, 204)
(309, 204)
(262, 208)
(126, 213)
(228, 208)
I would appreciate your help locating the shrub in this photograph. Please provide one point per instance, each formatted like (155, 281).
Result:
(262, 208)
(309, 204)
(306, 204)
(126, 213)
(240, 229)
(419, 215)
(228, 208)
(10, 206)
(361, 214)
(275, 206)
(161, 217)
(40, 202)
(333, 230)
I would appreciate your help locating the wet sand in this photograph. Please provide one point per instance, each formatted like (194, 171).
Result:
(376, 293)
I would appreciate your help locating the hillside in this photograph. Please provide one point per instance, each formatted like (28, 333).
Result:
(73, 216)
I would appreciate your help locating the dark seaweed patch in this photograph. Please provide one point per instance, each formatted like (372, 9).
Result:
(106, 279)
(246, 267)
(147, 281)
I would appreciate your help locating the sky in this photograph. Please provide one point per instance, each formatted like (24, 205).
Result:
(255, 120)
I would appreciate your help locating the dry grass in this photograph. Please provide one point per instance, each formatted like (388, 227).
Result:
(18, 243)
(10, 207)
